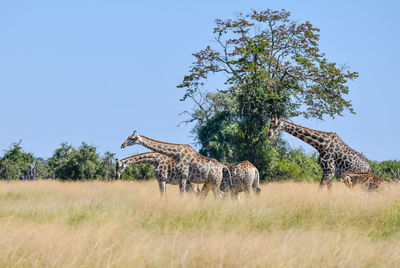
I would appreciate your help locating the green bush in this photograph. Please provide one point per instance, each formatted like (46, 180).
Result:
(82, 163)
(15, 162)
(138, 172)
(387, 169)
(217, 138)
(299, 166)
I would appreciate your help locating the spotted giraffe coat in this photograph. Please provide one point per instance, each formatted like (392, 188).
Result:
(368, 180)
(164, 168)
(244, 176)
(336, 157)
(190, 165)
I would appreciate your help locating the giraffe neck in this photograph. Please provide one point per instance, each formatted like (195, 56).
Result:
(316, 139)
(146, 158)
(169, 149)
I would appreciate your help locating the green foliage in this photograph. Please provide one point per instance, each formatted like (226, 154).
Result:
(138, 172)
(258, 150)
(15, 162)
(218, 138)
(387, 169)
(272, 67)
(221, 139)
(83, 163)
(107, 171)
(66, 163)
(299, 166)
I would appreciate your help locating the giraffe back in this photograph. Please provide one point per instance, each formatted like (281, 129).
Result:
(346, 158)
(244, 176)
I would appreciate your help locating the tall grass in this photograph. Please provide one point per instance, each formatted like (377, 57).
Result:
(126, 224)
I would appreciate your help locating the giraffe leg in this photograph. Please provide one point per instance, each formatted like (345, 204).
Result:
(216, 179)
(162, 179)
(235, 195)
(326, 179)
(190, 188)
(328, 167)
(182, 181)
(197, 191)
(204, 191)
(247, 186)
(216, 191)
(224, 187)
(182, 186)
(162, 187)
(247, 194)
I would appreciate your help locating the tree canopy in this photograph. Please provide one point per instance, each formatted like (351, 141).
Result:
(15, 162)
(273, 60)
(272, 66)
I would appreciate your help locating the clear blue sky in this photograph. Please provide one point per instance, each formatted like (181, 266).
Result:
(94, 71)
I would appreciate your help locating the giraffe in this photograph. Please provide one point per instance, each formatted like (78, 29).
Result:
(164, 168)
(244, 175)
(190, 165)
(368, 180)
(336, 157)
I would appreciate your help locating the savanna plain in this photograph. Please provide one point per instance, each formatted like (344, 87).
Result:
(127, 224)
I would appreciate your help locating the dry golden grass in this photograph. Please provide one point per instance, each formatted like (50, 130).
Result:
(126, 224)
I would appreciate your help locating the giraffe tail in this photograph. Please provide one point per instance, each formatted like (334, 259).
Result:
(227, 175)
(256, 182)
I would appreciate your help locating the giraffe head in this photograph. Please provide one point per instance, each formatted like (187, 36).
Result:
(347, 180)
(119, 168)
(131, 140)
(274, 127)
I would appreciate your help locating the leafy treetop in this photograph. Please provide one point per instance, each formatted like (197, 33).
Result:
(270, 53)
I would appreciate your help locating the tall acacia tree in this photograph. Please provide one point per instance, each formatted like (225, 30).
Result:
(273, 68)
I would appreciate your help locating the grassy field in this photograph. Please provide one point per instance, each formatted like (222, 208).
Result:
(126, 224)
